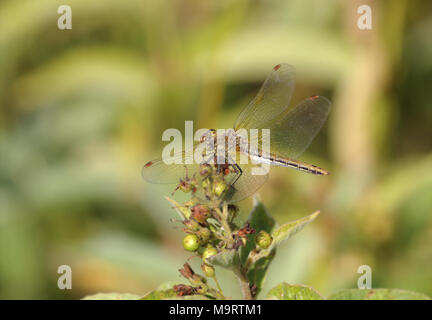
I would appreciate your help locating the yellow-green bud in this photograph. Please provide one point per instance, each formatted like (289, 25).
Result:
(209, 252)
(196, 279)
(185, 186)
(205, 170)
(263, 239)
(206, 183)
(191, 224)
(191, 242)
(185, 211)
(202, 289)
(204, 234)
(208, 270)
(193, 201)
(219, 187)
(233, 210)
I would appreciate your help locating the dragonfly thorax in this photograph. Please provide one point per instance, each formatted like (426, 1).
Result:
(210, 134)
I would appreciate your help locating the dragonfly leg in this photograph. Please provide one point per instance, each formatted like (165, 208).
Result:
(176, 188)
(183, 182)
(238, 171)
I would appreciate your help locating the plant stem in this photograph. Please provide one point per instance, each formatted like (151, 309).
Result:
(240, 272)
(223, 216)
(244, 285)
(218, 286)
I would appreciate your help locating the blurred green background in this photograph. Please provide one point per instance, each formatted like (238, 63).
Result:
(83, 109)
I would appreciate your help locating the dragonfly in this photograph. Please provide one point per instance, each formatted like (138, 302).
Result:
(291, 130)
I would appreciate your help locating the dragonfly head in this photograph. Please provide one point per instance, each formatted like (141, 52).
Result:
(209, 134)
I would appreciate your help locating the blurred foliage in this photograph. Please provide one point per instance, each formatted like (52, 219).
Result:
(83, 109)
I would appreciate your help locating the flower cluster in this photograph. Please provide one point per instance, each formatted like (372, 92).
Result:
(211, 226)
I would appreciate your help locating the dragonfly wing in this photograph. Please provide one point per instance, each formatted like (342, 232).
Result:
(292, 134)
(158, 171)
(272, 99)
(245, 185)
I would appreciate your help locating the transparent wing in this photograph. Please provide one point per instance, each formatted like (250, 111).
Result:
(157, 171)
(241, 185)
(292, 134)
(246, 185)
(272, 99)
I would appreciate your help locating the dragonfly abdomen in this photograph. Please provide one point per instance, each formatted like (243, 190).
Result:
(289, 163)
(302, 166)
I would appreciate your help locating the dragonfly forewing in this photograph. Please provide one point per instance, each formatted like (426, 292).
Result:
(272, 99)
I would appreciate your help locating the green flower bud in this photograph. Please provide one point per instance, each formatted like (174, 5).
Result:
(205, 170)
(185, 211)
(209, 252)
(202, 289)
(206, 183)
(185, 186)
(212, 228)
(233, 210)
(191, 242)
(197, 280)
(263, 239)
(219, 187)
(191, 224)
(193, 201)
(208, 270)
(204, 234)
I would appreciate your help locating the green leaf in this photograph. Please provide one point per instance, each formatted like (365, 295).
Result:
(228, 259)
(159, 295)
(166, 292)
(285, 291)
(258, 271)
(112, 296)
(287, 230)
(192, 297)
(378, 294)
(263, 259)
(170, 294)
(258, 219)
